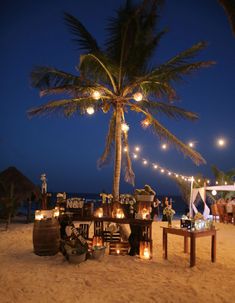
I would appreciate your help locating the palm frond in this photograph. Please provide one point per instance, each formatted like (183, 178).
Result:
(83, 38)
(129, 174)
(66, 106)
(169, 110)
(104, 159)
(44, 77)
(91, 62)
(229, 7)
(162, 132)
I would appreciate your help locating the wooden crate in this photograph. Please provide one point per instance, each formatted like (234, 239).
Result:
(119, 248)
(114, 237)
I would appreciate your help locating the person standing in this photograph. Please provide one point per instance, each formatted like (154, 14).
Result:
(165, 204)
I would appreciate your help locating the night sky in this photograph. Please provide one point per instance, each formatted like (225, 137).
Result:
(34, 33)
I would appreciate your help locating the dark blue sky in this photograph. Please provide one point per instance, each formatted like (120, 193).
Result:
(33, 33)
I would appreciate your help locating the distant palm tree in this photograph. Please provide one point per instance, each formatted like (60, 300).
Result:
(112, 78)
(223, 178)
(229, 7)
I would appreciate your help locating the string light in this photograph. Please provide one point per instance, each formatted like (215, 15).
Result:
(90, 110)
(191, 144)
(221, 142)
(137, 148)
(164, 146)
(96, 95)
(216, 182)
(125, 127)
(138, 97)
(125, 149)
(169, 172)
(145, 123)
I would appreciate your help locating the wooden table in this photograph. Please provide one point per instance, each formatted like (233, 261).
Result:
(193, 235)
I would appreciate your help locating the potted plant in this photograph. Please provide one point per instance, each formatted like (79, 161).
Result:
(146, 194)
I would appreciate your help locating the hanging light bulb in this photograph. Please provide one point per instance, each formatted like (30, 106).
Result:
(164, 146)
(162, 170)
(177, 175)
(208, 181)
(214, 192)
(137, 148)
(135, 156)
(155, 166)
(138, 97)
(145, 162)
(191, 144)
(169, 173)
(90, 110)
(125, 127)
(96, 95)
(145, 123)
(125, 149)
(216, 182)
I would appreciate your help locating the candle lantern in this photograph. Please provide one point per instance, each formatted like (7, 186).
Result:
(145, 250)
(38, 215)
(99, 213)
(119, 213)
(97, 241)
(56, 212)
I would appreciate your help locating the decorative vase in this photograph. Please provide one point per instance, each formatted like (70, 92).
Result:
(169, 220)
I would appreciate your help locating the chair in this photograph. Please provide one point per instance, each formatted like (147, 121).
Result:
(214, 211)
(223, 216)
(234, 214)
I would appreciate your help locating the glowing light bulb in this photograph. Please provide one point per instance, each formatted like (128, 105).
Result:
(137, 148)
(125, 149)
(225, 183)
(221, 142)
(96, 95)
(135, 156)
(216, 182)
(169, 173)
(125, 127)
(214, 192)
(177, 175)
(138, 97)
(145, 162)
(208, 181)
(162, 170)
(90, 110)
(191, 144)
(198, 180)
(164, 146)
(155, 166)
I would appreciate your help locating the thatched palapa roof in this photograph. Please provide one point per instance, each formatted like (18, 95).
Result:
(22, 186)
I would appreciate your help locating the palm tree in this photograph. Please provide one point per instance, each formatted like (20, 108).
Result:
(229, 7)
(113, 78)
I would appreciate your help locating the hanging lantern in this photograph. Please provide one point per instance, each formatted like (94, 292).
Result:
(138, 97)
(145, 250)
(90, 110)
(125, 127)
(214, 192)
(96, 95)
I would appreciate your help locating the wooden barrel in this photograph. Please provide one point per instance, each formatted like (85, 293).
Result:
(46, 237)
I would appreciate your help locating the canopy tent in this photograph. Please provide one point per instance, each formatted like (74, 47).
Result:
(202, 192)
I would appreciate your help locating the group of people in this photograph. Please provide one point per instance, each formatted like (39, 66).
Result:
(157, 205)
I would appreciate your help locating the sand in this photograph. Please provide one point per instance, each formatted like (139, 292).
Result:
(26, 277)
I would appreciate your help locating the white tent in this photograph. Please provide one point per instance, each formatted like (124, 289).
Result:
(202, 192)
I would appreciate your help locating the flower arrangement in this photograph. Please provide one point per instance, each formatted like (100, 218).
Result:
(198, 216)
(168, 211)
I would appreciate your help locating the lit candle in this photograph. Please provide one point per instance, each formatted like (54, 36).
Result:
(146, 253)
(118, 251)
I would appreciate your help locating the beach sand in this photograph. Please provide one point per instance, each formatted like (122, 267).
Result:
(26, 277)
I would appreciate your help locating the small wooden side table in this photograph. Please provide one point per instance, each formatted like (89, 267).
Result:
(193, 235)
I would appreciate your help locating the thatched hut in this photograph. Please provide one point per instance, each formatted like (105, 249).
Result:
(13, 182)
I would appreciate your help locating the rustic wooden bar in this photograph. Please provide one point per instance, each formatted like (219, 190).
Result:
(193, 235)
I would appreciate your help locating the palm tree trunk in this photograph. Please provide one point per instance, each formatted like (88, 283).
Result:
(118, 154)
